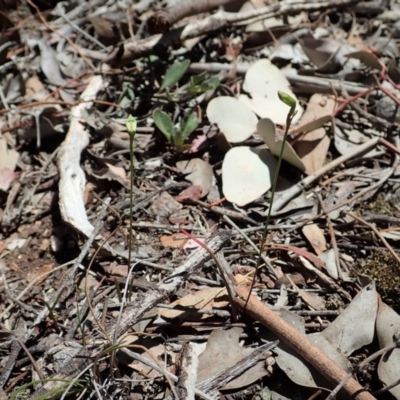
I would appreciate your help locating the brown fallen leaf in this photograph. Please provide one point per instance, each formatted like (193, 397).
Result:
(204, 299)
(176, 240)
(313, 147)
(316, 237)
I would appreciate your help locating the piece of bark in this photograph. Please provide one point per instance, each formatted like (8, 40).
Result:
(72, 177)
(162, 20)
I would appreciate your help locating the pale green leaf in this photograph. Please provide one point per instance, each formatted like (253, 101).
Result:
(189, 124)
(164, 124)
(174, 73)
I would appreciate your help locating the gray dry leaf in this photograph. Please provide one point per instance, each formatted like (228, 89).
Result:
(48, 62)
(199, 172)
(266, 129)
(222, 352)
(387, 324)
(290, 362)
(355, 326)
(351, 330)
(165, 205)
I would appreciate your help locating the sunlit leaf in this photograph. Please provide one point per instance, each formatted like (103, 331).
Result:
(164, 124)
(174, 73)
(189, 124)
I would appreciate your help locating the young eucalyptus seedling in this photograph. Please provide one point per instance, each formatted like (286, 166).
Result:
(175, 136)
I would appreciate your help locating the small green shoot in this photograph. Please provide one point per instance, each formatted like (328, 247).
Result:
(174, 74)
(131, 125)
(174, 136)
(199, 84)
(289, 101)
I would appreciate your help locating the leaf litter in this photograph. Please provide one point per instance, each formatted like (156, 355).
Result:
(204, 92)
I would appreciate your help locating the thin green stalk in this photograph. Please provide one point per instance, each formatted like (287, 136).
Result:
(292, 112)
(131, 128)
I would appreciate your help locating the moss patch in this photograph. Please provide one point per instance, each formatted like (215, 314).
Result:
(381, 266)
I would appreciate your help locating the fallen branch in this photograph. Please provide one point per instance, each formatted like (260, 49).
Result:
(162, 20)
(299, 343)
(140, 48)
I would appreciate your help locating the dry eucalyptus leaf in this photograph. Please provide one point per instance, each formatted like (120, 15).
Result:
(262, 82)
(314, 146)
(329, 259)
(387, 324)
(344, 333)
(236, 121)
(176, 240)
(199, 172)
(267, 131)
(223, 351)
(204, 299)
(292, 364)
(247, 174)
(316, 237)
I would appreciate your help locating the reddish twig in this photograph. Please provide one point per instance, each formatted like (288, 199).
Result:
(299, 343)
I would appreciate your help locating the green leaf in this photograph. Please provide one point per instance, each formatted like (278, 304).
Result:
(189, 124)
(205, 86)
(196, 80)
(174, 73)
(164, 124)
(213, 83)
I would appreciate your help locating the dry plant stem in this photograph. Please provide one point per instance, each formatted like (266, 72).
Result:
(168, 286)
(224, 276)
(299, 343)
(295, 190)
(163, 20)
(141, 48)
(384, 241)
(31, 359)
(252, 244)
(134, 311)
(331, 232)
(67, 283)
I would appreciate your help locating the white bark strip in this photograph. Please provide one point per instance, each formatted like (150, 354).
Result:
(72, 177)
